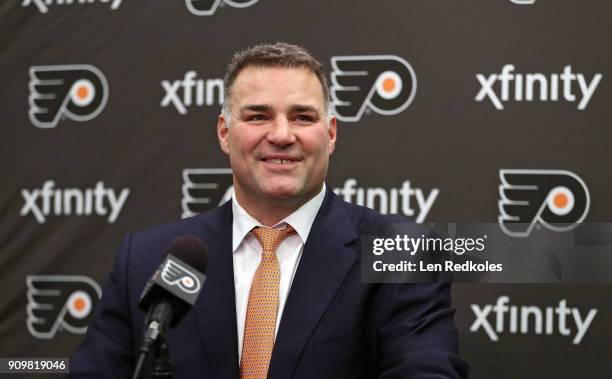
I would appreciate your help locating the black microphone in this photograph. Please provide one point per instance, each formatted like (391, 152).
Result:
(172, 290)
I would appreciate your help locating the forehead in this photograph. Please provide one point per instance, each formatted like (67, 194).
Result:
(277, 86)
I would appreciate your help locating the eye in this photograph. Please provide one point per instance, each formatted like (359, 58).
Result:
(305, 119)
(256, 117)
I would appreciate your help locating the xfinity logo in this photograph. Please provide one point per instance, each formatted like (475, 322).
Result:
(206, 188)
(525, 319)
(51, 201)
(209, 7)
(412, 202)
(192, 92)
(43, 5)
(508, 85)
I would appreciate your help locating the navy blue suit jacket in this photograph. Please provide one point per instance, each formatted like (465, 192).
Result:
(333, 325)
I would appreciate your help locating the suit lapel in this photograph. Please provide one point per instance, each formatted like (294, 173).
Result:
(322, 268)
(216, 309)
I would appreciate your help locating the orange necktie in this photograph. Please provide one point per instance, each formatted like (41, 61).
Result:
(262, 309)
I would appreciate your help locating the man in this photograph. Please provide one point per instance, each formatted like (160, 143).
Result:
(293, 309)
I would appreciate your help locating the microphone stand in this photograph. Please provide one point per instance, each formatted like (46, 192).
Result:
(155, 342)
(161, 359)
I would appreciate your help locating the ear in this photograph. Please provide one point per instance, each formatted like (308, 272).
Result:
(332, 128)
(223, 134)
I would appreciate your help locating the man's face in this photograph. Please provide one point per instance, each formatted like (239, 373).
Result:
(279, 141)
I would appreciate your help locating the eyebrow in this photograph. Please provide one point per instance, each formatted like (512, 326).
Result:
(303, 109)
(298, 108)
(256, 108)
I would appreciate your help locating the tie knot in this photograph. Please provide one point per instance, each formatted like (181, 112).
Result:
(270, 238)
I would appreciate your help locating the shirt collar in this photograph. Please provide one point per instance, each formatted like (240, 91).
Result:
(301, 219)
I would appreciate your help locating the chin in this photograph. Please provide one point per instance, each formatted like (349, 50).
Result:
(282, 191)
(281, 194)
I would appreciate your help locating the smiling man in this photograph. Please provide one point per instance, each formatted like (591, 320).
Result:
(283, 296)
(281, 136)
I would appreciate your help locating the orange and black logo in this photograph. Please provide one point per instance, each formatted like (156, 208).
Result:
(385, 84)
(557, 199)
(205, 188)
(60, 302)
(209, 7)
(78, 92)
(176, 274)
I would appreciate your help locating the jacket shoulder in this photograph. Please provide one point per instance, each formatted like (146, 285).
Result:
(150, 244)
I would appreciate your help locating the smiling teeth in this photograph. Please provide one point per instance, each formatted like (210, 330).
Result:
(279, 161)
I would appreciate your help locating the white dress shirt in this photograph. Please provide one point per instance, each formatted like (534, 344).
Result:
(247, 255)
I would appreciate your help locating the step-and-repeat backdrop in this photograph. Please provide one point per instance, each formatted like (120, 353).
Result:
(108, 111)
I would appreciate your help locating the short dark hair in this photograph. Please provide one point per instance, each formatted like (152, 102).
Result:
(279, 54)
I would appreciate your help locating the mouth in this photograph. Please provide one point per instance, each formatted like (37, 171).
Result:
(280, 161)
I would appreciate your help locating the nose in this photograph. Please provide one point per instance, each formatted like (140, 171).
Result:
(281, 132)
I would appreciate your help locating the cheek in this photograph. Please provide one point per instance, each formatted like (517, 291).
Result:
(315, 142)
(241, 144)
(317, 146)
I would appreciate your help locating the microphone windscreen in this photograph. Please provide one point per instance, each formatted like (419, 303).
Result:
(191, 250)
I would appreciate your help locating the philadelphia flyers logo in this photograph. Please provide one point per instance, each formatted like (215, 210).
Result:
(205, 188)
(60, 302)
(176, 274)
(557, 199)
(385, 84)
(78, 92)
(209, 7)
